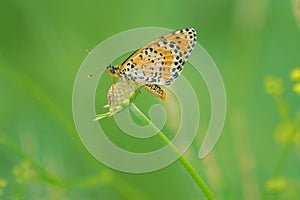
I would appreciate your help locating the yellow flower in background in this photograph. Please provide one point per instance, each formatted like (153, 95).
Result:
(23, 172)
(296, 88)
(276, 184)
(295, 74)
(273, 85)
(284, 132)
(3, 184)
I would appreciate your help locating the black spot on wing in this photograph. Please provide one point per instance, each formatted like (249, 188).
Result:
(129, 57)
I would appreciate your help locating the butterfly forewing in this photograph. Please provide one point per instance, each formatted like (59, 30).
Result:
(161, 61)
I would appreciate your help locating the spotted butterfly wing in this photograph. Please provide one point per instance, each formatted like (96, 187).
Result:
(161, 61)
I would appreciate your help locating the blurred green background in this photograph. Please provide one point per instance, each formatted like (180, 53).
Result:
(256, 46)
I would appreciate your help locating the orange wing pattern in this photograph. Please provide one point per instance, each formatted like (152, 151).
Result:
(161, 61)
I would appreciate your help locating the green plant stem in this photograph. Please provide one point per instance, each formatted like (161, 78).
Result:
(283, 111)
(282, 158)
(43, 98)
(187, 165)
(285, 152)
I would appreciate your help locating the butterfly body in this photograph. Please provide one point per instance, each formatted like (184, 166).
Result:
(156, 90)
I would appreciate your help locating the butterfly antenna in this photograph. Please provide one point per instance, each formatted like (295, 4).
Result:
(91, 75)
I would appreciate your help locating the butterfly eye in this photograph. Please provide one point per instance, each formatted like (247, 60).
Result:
(112, 69)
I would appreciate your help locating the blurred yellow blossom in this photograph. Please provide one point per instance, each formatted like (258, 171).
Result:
(23, 172)
(296, 88)
(284, 132)
(3, 184)
(276, 184)
(273, 85)
(295, 74)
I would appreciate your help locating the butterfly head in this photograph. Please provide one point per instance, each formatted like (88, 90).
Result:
(113, 71)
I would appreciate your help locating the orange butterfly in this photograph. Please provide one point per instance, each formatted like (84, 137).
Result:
(159, 62)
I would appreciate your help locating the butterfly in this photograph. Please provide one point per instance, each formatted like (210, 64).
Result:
(159, 62)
